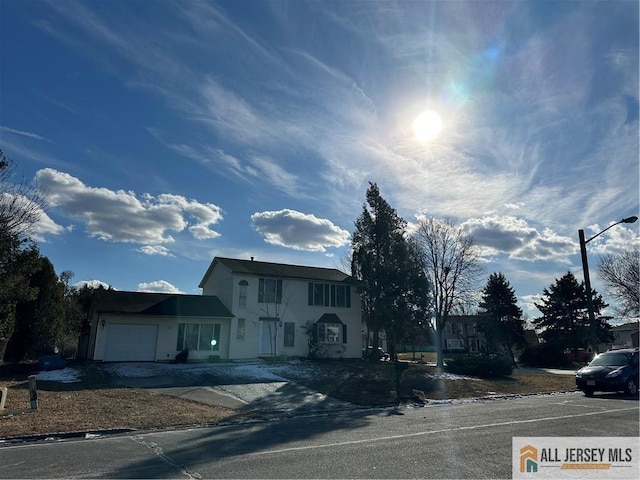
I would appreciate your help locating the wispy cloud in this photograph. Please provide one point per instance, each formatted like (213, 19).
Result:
(155, 250)
(23, 133)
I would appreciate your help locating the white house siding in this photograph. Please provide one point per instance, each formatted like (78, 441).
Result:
(167, 335)
(294, 308)
(222, 285)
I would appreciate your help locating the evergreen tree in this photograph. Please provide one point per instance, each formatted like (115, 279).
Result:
(384, 264)
(565, 318)
(40, 320)
(17, 259)
(501, 320)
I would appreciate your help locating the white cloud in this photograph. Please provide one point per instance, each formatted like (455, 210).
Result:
(159, 286)
(300, 231)
(155, 250)
(515, 237)
(121, 216)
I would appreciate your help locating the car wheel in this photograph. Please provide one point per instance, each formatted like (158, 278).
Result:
(632, 386)
(588, 392)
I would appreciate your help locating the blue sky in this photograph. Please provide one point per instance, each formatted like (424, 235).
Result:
(166, 133)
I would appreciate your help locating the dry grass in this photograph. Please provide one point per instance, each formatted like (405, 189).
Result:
(92, 405)
(365, 383)
(74, 410)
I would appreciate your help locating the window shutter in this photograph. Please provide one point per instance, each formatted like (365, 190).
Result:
(279, 291)
(261, 291)
(216, 336)
(348, 296)
(333, 295)
(310, 293)
(326, 294)
(344, 333)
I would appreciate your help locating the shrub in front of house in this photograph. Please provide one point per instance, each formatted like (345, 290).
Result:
(544, 355)
(479, 366)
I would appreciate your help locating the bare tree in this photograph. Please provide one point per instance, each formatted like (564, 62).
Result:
(452, 264)
(21, 204)
(621, 276)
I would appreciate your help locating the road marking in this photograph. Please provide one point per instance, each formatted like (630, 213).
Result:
(431, 432)
(159, 452)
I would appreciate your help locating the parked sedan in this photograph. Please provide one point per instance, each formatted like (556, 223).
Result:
(612, 371)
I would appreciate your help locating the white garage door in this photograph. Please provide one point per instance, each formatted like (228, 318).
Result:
(131, 343)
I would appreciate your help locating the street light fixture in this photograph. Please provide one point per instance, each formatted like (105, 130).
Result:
(587, 282)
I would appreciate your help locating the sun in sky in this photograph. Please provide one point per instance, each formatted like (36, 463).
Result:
(427, 126)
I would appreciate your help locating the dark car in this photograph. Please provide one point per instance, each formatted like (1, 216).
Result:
(612, 371)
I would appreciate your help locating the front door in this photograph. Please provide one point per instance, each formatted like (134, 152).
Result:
(268, 337)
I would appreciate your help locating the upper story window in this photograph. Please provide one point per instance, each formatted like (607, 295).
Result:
(325, 294)
(242, 293)
(270, 290)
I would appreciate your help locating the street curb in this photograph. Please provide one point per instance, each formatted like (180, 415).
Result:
(58, 437)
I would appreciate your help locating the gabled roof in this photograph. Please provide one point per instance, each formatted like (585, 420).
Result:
(329, 318)
(627, 326)
(139, 303)
(268, 269)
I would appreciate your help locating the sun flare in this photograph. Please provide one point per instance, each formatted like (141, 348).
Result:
(427, 126)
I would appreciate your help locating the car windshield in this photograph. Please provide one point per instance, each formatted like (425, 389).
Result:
(610, 360)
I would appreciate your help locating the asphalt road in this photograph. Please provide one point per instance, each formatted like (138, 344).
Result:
(454, 440)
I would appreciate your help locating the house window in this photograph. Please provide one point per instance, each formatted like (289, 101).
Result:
(454, 343)
(240, 330)
(270, 290)
(289, 334)
(325, 295)
(198, 336)
(242, 293)
(340, 296)
(332, 333)
(318, 293)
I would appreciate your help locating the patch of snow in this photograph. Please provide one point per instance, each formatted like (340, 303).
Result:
(66, 375)
(449, 376)
(251, 371)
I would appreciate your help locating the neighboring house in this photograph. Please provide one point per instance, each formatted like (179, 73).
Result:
(279, 309)
(134, 326)
(623, 336)
(461, 334)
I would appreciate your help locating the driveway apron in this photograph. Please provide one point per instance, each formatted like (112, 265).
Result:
(248, 387)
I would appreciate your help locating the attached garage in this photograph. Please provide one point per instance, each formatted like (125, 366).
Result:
(150, 327)
(131, 343)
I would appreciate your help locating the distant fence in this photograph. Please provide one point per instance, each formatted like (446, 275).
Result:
(415, 348)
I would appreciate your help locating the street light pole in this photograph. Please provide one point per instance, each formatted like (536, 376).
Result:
(593, 330)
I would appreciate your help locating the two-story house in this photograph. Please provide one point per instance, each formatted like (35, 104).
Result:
(461, 334)
(247, 309)
(281, 309)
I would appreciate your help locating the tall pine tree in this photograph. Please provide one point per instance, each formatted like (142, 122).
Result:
(384, 265)
(501, 319)
(565, 318)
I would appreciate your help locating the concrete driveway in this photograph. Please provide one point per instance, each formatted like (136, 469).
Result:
(247, 386)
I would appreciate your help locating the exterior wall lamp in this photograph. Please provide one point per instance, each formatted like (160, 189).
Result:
(593, 330)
